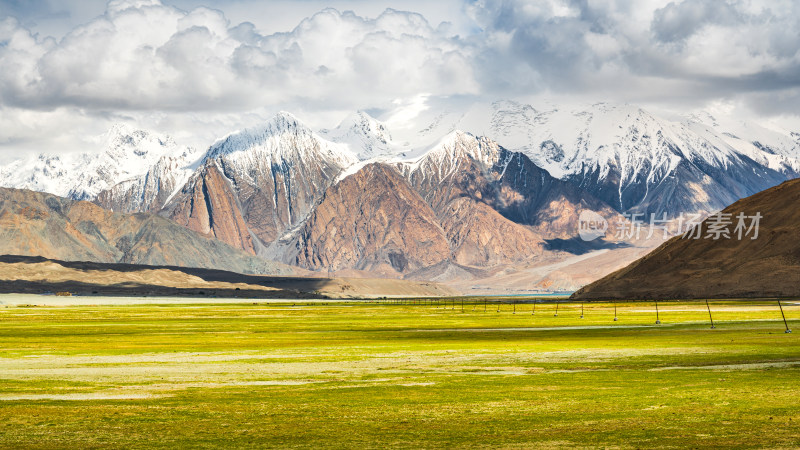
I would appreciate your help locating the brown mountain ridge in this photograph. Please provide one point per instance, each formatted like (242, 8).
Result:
(766, 267)
(467, 202)
(38, 224)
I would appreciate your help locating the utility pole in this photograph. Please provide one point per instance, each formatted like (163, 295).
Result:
(658, 321)
(709, 315)
(784, 317)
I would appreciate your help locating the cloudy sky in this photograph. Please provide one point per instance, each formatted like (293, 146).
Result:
(198, 69)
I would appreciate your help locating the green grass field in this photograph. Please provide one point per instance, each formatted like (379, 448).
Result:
(389, 375)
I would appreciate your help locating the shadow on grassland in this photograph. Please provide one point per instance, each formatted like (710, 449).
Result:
(578, 246)
(278, 286)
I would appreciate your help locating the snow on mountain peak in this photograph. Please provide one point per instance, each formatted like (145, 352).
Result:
(623, 150)
(770, 146)
(571, 141)
(457, 147)
(366, 136)
(123, 153)
(125, 136)
(284, 139)
(286, 120)
(139, 149)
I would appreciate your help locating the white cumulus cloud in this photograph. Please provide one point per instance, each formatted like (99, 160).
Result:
(192, 71)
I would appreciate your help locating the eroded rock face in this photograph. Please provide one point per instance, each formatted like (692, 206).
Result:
(208, 205)
(479, 236)
(467, 202)
(266, 180)
(372, 220)
(38, 224)
(505, 182)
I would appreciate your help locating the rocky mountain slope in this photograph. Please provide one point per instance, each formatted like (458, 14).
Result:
(372, 220)
(255, 184)
(728, 267)
(39, 224)
(208, 205)
(466, 202)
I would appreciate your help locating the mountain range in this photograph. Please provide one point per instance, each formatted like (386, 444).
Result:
(125, 154)
(446, 205)
(634, 160)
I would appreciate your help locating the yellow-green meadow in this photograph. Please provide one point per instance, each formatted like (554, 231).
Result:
(399, 374)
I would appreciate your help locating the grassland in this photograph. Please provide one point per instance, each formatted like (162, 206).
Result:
(391, 375)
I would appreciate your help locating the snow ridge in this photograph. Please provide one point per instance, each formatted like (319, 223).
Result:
(125, 153)
(638, 155)
(282, 140)
(364, 135)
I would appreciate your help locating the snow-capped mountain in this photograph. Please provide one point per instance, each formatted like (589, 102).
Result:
(124, 153)
(366, 136)
(152, 190)
(634, 160)
(255, 184)
(774, 148)
(283, 141)
(444, 158)
(465, 166)
(465, 203)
